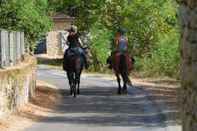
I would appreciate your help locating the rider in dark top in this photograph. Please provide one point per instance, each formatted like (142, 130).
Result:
(74, 44)
(73, 40)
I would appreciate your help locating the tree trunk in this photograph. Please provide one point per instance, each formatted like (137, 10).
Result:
(188, 11)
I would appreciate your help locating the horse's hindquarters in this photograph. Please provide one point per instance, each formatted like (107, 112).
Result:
(121, 62)
(73, 66)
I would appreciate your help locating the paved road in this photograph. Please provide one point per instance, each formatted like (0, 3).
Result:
(99, 108)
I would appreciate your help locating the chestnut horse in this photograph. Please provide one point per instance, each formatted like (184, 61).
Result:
(122, 64)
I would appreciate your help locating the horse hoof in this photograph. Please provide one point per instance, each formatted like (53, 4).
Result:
(130, 84)
(125, 91)
(74, 95)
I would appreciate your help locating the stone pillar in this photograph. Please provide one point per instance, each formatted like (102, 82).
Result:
(188, 15)
(22, 40)
(4, 59)
(53, 44)
(18, 46)
(11, 41)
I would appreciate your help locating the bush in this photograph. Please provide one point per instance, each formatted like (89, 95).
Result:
(100, 46)
(29, 16)
(164, 59)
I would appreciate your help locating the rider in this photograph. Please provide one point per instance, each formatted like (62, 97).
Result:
(120, 45)
(121, 41)
(75, 44)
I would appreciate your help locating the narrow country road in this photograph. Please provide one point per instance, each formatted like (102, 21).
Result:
(99, 108)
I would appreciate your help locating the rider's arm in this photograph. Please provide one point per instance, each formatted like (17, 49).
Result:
(80, 42)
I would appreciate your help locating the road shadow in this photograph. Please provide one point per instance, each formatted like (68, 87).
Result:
(167, 100)
(103, 107)
(147, 106)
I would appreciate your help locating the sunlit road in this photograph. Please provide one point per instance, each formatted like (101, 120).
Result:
(99, 108)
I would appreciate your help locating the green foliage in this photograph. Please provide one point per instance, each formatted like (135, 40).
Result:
(61, 5)
(143, 19)
(151, 28)
(100, 46)
(164, 58)
(89, 13)
(29, 16)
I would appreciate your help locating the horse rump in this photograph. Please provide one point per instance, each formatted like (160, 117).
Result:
(119, 60)
(68, 60)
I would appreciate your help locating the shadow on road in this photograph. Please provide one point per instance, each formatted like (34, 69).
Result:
(103, 107)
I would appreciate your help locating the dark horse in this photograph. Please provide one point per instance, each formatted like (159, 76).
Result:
(73, 64)
(121, 64)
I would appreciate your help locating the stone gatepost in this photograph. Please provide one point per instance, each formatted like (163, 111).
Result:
(188, 15)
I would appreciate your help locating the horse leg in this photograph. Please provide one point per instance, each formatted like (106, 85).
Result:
(78, 91)
(74, 84)
(78, 83)
(125, 88)
(74, 90)
(78, 70)
(119, 83)
(69, 75)
(124, 72)
(125, 80)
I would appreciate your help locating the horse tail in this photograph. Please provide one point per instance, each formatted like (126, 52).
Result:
(123, 63)
(123, 67)
(78, 64)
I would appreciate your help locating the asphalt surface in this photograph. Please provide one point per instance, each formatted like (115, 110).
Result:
(99, 108)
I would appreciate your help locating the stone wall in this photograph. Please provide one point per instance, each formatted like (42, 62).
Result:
(62, 25)
(188, 97)
(17, 85)
(53, 44)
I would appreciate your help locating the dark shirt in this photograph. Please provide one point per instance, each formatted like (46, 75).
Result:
(73, 41)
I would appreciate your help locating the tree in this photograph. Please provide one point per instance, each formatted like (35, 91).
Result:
(26, 15)
(151, 27)
(188, 65)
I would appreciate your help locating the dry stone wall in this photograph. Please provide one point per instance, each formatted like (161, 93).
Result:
(188, 95)
(17, 85)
